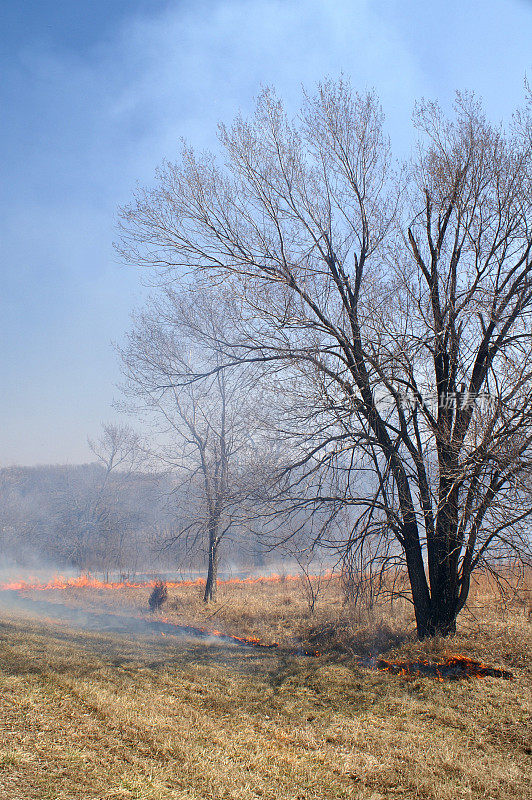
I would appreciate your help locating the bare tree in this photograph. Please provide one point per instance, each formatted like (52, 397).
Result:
(316, 574)
(395, 301)
(105, 521)
(117, 449)
(202, 428)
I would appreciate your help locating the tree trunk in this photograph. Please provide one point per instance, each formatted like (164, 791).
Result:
(212, 572)
(435, 609)
(435, 615)
(443, 552)
(439, 621)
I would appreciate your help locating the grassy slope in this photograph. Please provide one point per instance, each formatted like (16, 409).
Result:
(86, 715)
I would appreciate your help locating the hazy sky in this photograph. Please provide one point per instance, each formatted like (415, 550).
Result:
(95, 94)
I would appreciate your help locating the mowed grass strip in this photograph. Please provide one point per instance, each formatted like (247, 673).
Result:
(98, 715)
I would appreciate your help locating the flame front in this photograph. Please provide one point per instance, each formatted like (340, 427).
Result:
(87, 581)
(164, 624)
(449, 666)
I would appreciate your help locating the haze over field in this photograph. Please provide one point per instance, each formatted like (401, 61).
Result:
(266, 399)
(95, 95)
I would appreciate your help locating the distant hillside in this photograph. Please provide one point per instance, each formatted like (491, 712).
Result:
(79, 517)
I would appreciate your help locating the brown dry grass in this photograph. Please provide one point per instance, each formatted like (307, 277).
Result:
(99, 715)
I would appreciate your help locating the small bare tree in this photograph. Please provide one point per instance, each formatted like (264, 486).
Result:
(397, 306)
(315, 575)
(202, 416)
(108, 521)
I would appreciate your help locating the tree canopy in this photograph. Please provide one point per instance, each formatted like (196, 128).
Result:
(392, 303)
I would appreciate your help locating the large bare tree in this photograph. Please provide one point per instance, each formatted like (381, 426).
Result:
(396, 303)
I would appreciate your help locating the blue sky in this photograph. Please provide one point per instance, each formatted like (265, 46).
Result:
(95, 94)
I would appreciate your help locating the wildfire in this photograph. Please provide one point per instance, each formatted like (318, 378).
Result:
(163, 624)
(166, 627)
(450, 667)
(89, 582)
(171, 628)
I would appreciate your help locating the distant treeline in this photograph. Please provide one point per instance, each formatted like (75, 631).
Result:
(84, 518)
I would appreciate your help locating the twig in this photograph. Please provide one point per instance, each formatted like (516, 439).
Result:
(218, 609)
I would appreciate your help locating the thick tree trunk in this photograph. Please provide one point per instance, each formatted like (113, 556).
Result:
(212, 571)
(437, 617)
(436, 608)
(440, 620)
(418, 586)
(443, 547)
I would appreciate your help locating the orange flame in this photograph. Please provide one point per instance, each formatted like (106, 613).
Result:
(173, 627)
(449, 666)
(89, 582)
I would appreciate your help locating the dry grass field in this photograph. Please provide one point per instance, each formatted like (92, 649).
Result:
(103, 714)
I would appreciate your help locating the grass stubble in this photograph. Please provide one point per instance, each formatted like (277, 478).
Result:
(105, 715)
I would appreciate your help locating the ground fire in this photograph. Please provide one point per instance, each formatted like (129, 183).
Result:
(448, 667)
(172, 628)
(451, 667)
